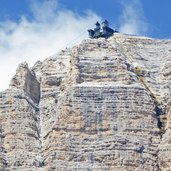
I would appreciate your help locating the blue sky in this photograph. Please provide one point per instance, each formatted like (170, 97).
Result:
(156, 13)
(32, 30)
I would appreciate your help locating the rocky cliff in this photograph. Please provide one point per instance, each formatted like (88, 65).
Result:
(104, 105)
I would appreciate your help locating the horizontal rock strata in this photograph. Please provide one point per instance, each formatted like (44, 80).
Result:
(104, 105)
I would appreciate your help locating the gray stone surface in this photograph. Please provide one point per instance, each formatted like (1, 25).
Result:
(104, 105)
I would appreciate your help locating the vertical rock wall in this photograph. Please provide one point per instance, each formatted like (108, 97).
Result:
(104, 105)
(19, 120)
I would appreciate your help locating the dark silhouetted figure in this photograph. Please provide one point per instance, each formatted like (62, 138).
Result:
(105, 31)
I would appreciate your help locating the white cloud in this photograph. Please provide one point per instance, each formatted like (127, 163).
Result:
(132, 20)
(49, 31)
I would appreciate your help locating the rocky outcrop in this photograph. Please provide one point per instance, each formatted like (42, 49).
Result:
(19, 119)
(104, 105)
(26, 81)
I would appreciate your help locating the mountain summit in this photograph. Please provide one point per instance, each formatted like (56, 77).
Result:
(103, 105)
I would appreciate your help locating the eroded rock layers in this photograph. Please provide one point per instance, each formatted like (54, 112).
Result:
(104, 105)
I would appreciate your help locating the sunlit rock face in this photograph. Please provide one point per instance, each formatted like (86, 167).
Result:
(104, 105)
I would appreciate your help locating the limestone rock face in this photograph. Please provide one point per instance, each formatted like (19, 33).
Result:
(103, 105)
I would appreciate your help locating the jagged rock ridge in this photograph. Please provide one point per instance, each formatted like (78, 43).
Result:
(104, 105)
